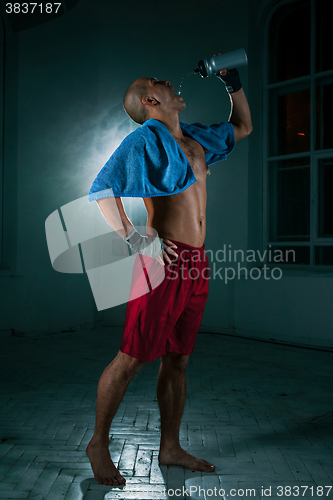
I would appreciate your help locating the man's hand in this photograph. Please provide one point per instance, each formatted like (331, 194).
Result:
(231, 80)
(168, 249)
(151, 246)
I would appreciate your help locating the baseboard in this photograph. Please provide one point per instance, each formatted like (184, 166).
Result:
(304, 342)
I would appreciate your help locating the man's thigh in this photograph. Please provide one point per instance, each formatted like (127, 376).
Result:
(184, 334)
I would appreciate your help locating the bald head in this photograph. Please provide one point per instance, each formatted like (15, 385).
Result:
(132, 101)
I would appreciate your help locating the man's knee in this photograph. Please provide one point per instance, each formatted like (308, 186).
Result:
(129, 365)
(175, 361)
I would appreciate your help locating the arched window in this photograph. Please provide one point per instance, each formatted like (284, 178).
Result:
(298, 145)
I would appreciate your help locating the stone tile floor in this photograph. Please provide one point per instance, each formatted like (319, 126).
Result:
(261, 412)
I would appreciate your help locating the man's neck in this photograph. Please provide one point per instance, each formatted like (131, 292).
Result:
(172, 124)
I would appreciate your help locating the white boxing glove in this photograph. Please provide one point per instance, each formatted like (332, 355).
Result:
(145, 245)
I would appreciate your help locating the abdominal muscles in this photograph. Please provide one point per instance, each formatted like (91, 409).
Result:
(181, 216)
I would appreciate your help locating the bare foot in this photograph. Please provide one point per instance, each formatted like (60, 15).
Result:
(178, 456)
(103, 468)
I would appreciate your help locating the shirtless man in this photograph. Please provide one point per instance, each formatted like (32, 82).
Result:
(179, 218)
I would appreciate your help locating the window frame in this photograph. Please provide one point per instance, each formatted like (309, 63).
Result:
(315, 155)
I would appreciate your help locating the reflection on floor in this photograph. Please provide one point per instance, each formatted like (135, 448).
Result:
(261, 412)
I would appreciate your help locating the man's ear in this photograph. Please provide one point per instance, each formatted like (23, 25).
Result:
(148, 100)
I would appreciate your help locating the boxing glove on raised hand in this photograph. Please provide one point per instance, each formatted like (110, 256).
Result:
(145, 245)
(231, 80)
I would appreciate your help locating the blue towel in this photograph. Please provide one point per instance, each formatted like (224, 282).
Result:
(149, 161)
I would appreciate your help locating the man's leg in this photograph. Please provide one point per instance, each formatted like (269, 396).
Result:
(171, 394)
(111, 388)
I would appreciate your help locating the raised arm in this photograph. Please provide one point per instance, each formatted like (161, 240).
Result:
(240, 115)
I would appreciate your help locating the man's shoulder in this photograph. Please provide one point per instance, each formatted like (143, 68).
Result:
(137, 136)
(133, 141)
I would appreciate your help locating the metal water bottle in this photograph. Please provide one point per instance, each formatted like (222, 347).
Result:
(228, 60)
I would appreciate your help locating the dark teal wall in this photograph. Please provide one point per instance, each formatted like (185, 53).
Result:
(72, 74)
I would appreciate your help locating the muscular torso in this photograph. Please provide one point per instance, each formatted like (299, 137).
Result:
(182, 216)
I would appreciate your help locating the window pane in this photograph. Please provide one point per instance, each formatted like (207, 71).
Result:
(290, 35)
(324, 60)
(325, 199)
(292, 113)
(324, 113)
(324, 256)
(289, 194)
(288, 255)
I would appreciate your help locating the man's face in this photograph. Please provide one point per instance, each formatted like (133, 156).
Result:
(164, 93)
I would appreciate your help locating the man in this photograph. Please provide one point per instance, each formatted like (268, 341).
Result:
(178, 214)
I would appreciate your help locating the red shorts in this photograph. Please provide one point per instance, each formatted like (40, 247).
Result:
(167, 318)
